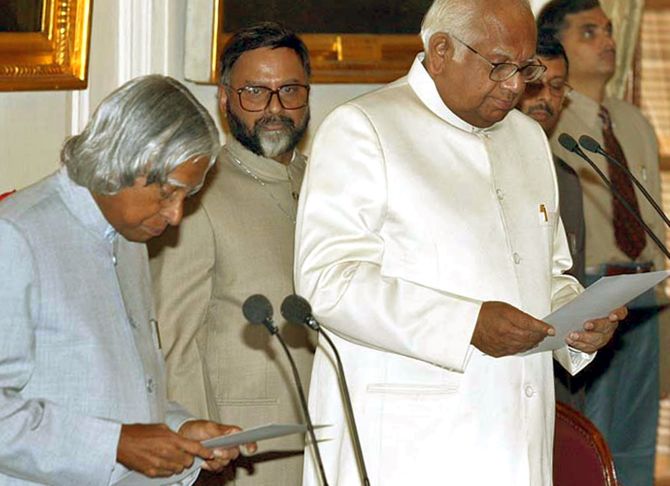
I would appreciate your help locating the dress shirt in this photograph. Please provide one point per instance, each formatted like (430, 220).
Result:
(79, 354)
(638, 141)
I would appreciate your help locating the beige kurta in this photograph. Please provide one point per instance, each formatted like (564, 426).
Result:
(237, 242)
(409, 219)
(638, 141)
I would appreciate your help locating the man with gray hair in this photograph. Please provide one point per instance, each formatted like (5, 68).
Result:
(82, 387)
(429, 244)
(238, 241)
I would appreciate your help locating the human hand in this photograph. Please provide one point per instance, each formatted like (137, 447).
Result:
(504, 330)
(156, 451)
(203, 429)
(597, 332)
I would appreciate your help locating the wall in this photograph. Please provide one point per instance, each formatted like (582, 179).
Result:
(129, 38)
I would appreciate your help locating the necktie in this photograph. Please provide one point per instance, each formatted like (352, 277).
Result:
(628, 232)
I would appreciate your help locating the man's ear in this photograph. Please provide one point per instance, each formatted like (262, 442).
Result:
(440, 52)
(223, 99)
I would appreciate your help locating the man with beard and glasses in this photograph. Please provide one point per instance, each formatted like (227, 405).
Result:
(236, 242)
(543, 101)
(622, 386)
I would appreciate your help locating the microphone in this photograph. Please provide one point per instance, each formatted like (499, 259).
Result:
(297, 310)
(258, 310)
(592, 145)
(570, 144)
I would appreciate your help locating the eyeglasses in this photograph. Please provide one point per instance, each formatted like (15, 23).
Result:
(258, 98)
(557, 87)
(501, 71)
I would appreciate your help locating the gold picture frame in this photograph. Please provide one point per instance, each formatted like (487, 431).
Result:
(340, 57)
(54, 58)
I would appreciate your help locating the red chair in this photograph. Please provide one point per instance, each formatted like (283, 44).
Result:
(581, 455)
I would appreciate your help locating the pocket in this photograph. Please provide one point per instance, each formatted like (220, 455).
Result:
(409, 390)
(248, 412)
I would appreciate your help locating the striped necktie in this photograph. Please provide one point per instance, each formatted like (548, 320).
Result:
(628, 232)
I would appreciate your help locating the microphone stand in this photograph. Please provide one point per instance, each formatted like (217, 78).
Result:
(571, 145)
(303, 401)
(358, 450)
(296, 309)
(592, 145)
(258, 310)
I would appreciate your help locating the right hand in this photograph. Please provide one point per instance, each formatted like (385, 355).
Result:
(156, 451)
(504, 330)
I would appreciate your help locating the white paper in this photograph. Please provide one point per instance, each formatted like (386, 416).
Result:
(595, 302)
(244, 437)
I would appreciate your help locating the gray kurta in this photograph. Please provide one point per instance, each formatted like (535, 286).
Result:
(238, 242)
(78, 354)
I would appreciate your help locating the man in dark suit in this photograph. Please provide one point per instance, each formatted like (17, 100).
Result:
(543, 101)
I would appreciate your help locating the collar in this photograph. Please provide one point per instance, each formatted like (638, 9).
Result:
(263, 167)
(81, 204)
(585, 108)
(424, 87)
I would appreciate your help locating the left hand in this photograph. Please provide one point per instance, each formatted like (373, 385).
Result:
(597, 332)
(204, 429)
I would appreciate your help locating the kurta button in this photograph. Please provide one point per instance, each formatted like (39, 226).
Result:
(517, 258)
(150, 385)
(529, 391)
(114, 259)
(500, 195)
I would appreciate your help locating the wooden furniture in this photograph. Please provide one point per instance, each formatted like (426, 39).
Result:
(581, 455)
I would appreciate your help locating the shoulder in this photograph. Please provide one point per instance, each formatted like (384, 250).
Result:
(374, 103)
(38, 201)
(624, 112)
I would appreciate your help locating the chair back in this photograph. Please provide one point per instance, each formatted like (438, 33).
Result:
(581, 455)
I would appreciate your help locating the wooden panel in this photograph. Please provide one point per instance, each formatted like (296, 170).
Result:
(347, 57)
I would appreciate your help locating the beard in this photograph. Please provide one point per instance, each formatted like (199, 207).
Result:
(268, 143)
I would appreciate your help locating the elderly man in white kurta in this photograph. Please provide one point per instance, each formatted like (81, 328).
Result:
(429, 242)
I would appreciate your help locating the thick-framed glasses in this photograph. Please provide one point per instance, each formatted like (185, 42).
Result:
(258, 98)
(502, 71)
(557, 87)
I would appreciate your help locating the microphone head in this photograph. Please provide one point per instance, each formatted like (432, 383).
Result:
(589, 144)
(568, 142)
(296, 309)
(257, 309)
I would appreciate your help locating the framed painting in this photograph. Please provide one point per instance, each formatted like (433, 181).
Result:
(44, 44)
(349, 41)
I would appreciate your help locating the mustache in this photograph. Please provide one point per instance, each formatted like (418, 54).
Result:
(274, 120)
(542, 106)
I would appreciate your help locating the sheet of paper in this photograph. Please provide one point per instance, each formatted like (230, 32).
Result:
(596, 301)
(255, 434)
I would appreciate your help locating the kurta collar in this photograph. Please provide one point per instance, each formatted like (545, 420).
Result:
(263, 167)
(81, 204)
(424, 87)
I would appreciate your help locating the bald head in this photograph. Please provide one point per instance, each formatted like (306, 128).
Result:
(462, 17)
(466, 41)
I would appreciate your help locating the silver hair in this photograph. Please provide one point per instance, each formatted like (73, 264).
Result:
(147, 127)
(456, 17)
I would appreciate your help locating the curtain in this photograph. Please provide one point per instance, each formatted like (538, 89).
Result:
(626, 16)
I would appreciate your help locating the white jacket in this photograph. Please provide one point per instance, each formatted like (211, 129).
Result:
(409, 219)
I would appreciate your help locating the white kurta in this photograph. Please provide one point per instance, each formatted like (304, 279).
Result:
(409, 219)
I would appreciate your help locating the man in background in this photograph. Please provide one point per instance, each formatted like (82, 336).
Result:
(622, 393)
(238, 241)
(543, 101)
